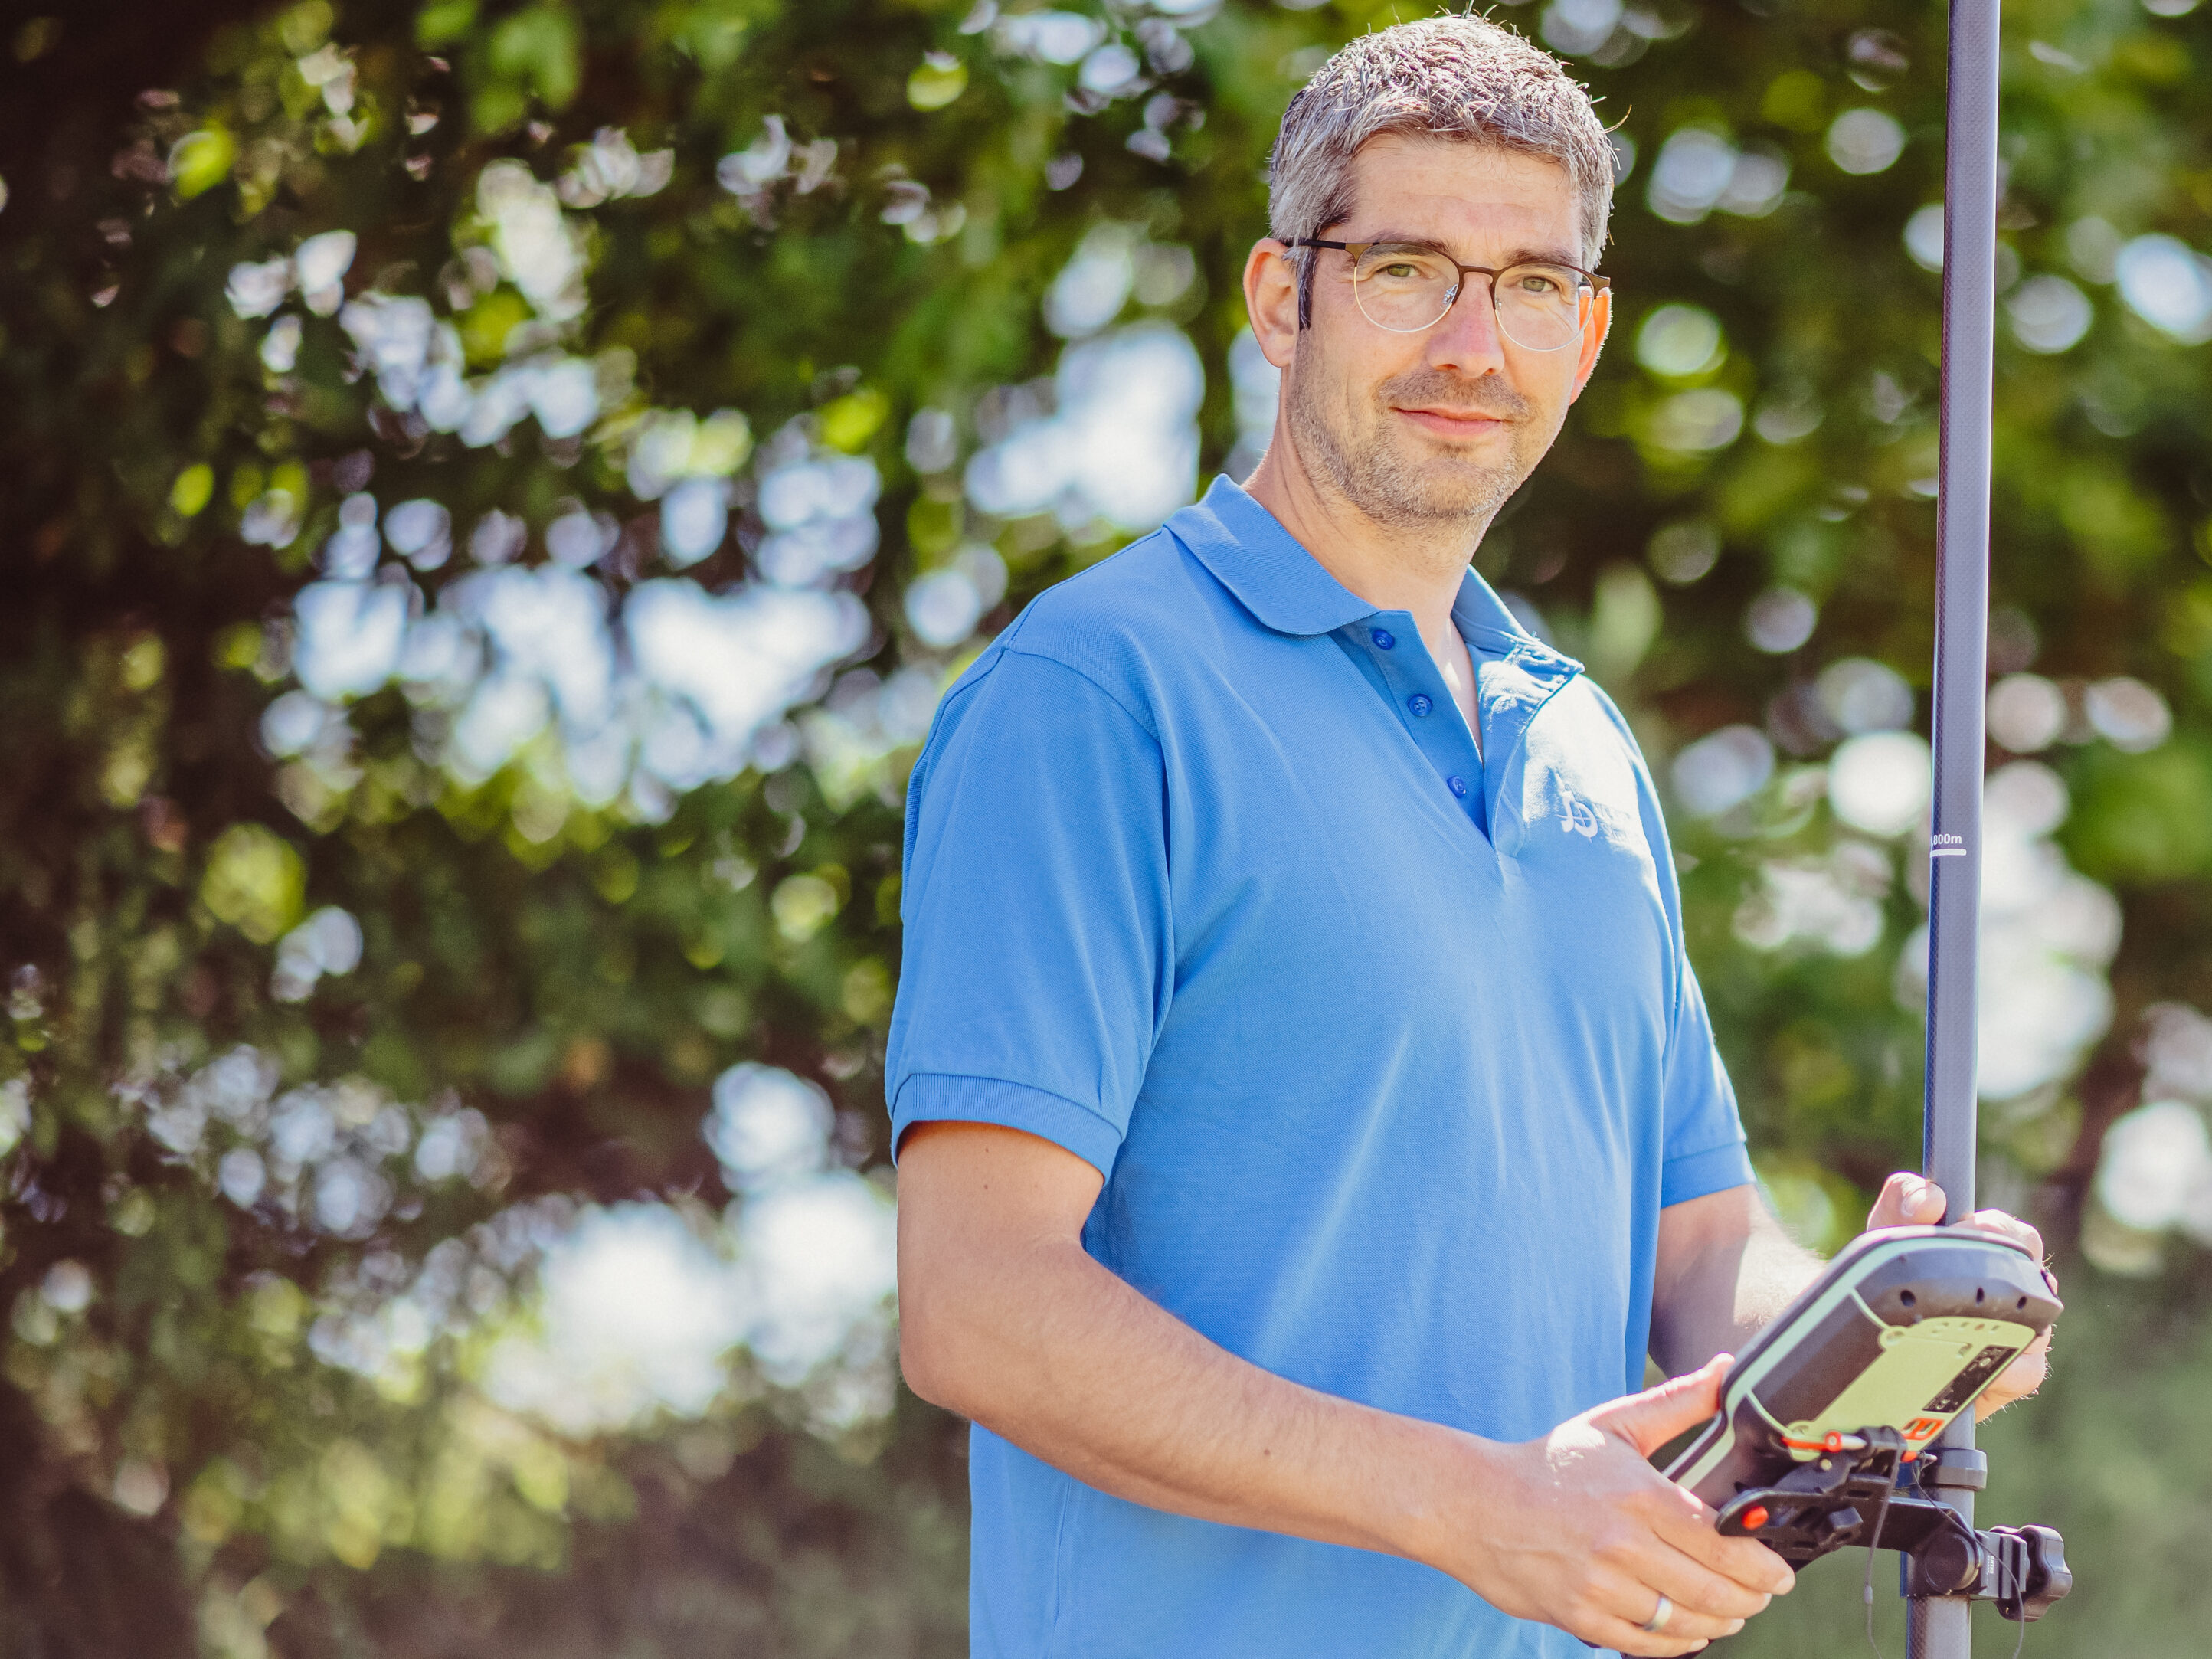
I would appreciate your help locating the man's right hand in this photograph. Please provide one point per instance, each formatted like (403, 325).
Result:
(1577, 1529)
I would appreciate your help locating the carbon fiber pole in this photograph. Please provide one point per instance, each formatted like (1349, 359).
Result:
(1939, 1628)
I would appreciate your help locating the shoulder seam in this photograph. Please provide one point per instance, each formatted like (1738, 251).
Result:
(988, 663)
(1089, 679)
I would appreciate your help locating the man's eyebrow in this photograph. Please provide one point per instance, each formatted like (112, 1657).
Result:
(1542, 256)
(1519, 256)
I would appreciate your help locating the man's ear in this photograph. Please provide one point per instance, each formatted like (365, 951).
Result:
(1271, 299)
(1594, 329)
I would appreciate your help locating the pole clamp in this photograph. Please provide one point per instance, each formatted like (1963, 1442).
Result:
(1961, 1467)
(1858, 1496)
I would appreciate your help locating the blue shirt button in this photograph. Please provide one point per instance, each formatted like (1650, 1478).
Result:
(1383, 638)
(1458, 787)
(1419, 704)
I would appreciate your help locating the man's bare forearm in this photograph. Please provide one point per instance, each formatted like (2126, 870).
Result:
(1048, 1349)
(1726, 1268)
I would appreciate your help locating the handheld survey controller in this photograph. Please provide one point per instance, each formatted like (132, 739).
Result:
(1825, 1433)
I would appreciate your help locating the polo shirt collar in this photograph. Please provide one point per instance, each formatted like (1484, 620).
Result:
(1285, 587)
(1263, 565)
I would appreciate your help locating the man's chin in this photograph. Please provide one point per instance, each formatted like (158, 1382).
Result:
(1439, 489)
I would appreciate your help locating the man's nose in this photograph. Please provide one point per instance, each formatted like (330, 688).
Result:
(1467, 337)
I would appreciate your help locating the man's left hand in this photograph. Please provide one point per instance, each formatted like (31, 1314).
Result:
(1911, 1201)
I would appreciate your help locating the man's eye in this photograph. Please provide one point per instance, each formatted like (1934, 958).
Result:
(1399, 271)
(1540, 284)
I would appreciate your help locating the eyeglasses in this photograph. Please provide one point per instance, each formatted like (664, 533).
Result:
(1406, 287)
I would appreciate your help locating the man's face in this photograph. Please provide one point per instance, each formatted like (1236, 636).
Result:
(1437, 426)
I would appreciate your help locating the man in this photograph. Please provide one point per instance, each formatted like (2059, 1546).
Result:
(1308, 1119)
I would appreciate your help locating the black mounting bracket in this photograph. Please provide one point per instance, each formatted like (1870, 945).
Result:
(1864, 1488)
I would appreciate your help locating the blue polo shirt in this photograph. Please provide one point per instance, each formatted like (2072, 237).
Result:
(1389, 1052)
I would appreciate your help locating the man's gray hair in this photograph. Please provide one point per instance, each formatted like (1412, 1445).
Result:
(1457, 77)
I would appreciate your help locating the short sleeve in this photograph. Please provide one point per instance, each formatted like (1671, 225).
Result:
(1037, 957)
(1704, 1149)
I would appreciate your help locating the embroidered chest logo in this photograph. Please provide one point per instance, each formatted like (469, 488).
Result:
(1577, 816)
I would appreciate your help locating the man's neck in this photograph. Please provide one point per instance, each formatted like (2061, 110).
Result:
(1389, 566)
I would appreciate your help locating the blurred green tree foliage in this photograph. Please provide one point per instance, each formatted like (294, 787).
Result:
(494, 492)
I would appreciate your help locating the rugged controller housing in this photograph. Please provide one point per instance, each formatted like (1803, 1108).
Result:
(1905, 1328)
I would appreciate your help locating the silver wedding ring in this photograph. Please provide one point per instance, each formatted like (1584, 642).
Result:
(1660, 1615)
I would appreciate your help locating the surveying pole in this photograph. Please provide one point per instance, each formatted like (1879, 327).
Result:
(1938, 1627)
(1827, 1437)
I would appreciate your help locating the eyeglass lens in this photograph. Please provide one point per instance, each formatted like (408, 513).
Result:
(1405, 290)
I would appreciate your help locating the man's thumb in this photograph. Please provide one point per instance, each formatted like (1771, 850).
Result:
(1648, 1421)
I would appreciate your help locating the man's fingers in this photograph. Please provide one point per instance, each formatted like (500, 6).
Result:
(1631, 1640)
(2012, 1227)
(1907, 1201)
(1743, 1561)
(2022, 1233)
(1695, 1588)
(1627, 1596)
(1648, 1421)
(2018, 1380)
(1682, 1527)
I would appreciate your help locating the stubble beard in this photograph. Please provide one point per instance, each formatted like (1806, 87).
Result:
(1371, 468)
